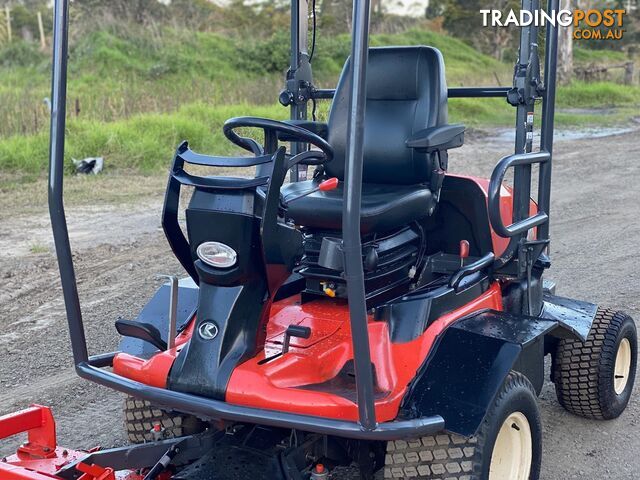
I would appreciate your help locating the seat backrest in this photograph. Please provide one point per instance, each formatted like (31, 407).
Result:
(406, 92)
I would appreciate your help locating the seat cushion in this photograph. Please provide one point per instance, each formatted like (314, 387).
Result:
(384, 207)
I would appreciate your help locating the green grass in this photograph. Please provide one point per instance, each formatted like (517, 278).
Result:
(143, 143)
(141, 93)
(36, 248)
(598, 94)
(587, 55)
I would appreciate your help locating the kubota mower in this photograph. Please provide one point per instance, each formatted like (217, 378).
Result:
(379, 313)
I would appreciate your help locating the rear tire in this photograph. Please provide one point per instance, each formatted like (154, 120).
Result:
(140, 417)
(508, 445)
(595, 379)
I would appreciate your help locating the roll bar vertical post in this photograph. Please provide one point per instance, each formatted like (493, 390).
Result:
(352, 244)
(548, 115)
(299, 60)
(522, 173)
(56, 174)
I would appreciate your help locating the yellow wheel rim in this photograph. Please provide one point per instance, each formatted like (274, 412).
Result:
(513, 450)
(622, 366)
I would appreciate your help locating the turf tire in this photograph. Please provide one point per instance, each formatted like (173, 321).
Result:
(583, 373)
(140, 417)
(448, 456)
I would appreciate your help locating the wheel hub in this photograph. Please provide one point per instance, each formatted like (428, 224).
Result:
(622, 366)
(513, 450)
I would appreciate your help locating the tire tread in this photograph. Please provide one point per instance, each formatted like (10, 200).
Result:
(140, 416)
(578, 366)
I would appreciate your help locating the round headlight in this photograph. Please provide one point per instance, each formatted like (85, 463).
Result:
(217, 254)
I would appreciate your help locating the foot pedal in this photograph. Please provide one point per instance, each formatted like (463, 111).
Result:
(141, 331)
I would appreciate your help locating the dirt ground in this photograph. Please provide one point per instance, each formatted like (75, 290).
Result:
(119, 249)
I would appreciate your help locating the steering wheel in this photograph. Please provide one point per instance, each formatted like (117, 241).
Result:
(271, 129)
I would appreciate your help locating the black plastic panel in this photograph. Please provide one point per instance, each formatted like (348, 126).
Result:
(511, 328)
(468, 366)
(575, 316)
(461, 379)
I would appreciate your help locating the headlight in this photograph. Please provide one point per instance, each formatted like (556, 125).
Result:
(217, 254)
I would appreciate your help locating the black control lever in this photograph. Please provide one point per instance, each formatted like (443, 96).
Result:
(297, 331)
(142, 331)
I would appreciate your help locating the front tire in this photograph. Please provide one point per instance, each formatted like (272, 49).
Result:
(595, 379)
(508, 445)
(140, 417)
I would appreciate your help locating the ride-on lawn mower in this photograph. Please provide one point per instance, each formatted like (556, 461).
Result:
(381, 314)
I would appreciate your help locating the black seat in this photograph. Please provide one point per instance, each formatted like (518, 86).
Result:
(384, 207)
(406, 96)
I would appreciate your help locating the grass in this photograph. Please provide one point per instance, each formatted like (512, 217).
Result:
(587, 56)
(144, 143)
(135, 94)
(38, 249)
(598, 94)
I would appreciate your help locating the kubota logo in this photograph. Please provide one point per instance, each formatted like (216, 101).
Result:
(208, 330)
(593, 24)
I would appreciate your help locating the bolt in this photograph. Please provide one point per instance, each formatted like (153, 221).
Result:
(4, 459)
(46, 449)
(65, 453)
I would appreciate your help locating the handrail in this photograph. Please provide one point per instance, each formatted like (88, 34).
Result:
(495, 185)
(477, 266)
(194, 158)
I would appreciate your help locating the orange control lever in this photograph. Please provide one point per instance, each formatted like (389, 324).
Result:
(464, 251)
(328, 185)
(464, 248)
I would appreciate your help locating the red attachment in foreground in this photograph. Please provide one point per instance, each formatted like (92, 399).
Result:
(38, 422)
(328, 185)
(95, 472)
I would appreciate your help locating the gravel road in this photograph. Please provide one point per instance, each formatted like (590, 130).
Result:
(119, 249)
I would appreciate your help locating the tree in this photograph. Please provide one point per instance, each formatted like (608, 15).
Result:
(462, 19)
(565, 48)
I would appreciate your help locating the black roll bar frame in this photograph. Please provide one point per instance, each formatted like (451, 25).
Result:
(367, 427)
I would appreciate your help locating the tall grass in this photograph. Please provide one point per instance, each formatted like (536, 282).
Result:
(115, 74)
(144, 142)
(134, 95)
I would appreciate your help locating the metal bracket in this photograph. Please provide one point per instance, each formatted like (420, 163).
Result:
(173, 310)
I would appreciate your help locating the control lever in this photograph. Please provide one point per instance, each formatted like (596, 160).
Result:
(297, 331)
(326, 186)
(142, 331)
(294, 331)
(464, 251)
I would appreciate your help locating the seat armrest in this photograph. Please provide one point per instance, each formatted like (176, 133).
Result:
(319, 128)
(438, 138)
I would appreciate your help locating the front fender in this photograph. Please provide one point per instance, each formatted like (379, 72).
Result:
(468, 365)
